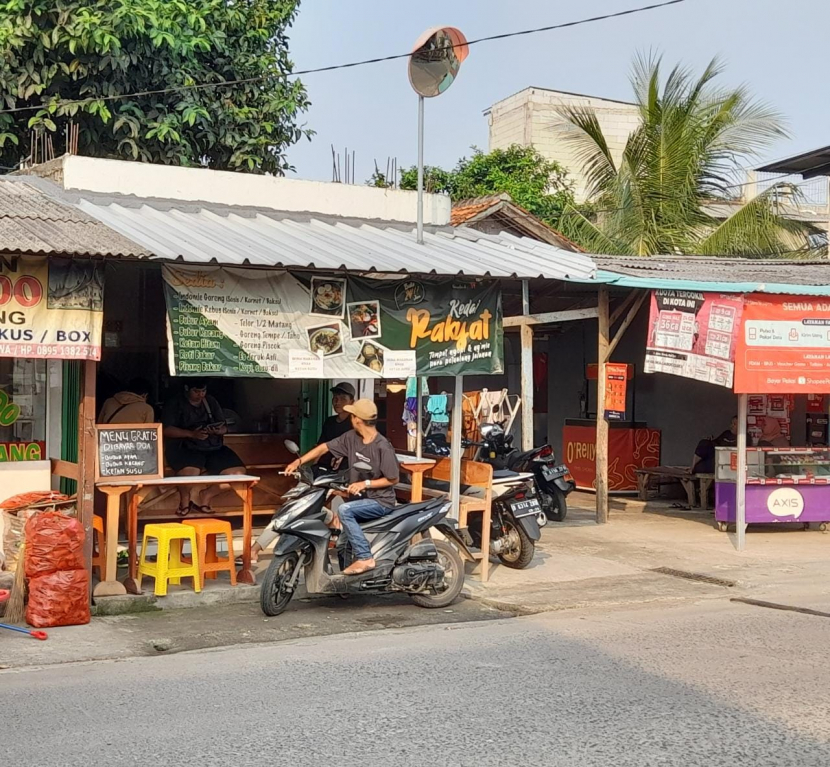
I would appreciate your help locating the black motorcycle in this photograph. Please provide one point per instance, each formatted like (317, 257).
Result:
(430, 571)
(514, 511)
(553, 481)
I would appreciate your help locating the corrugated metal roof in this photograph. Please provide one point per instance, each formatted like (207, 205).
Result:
(33, 222)
(716, 274)
(201, 233)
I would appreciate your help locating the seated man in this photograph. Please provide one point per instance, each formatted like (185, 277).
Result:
(364, 444)
(193, 429)
(703, 461)
(129, 406)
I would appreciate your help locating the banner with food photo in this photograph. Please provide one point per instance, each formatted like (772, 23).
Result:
(276, 324)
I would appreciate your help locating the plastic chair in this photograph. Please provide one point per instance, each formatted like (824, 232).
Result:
(169, 566)
(207, 531)
(99, 551)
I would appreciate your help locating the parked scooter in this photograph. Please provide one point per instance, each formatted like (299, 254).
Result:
(514, 513)
(430, 571)
(553, 481)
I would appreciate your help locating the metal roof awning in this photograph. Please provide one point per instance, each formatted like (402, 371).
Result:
(808, 165)
(253, 237)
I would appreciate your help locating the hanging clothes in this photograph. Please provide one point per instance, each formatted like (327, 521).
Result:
(437, 408)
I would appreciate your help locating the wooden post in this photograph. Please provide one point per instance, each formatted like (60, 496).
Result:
(86, 456)
(604, 332)
(527, 371)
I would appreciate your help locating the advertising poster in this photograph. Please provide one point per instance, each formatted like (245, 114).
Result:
(784, 347)
(276, 324)
(616, 377)
(51, 309)
(694, 335)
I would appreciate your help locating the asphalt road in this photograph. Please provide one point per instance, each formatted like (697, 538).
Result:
(713, 684)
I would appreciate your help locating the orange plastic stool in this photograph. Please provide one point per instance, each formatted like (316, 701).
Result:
(207, 531)
(99, 551)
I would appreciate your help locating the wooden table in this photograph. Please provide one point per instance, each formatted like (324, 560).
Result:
(681, 474)
(137, 490)
(416, 467)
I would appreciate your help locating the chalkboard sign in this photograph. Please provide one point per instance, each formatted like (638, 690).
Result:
(129, 451)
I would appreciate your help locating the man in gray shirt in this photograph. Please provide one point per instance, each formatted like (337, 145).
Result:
(364, 444)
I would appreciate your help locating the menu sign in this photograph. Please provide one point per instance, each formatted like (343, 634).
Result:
(693, 335)
(129, 451)
(276, 324)
(784, 346)
(51, 309)
(616, 376)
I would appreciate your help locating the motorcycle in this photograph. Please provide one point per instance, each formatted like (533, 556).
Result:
(514, 511)
(430, 571)
(553, 481)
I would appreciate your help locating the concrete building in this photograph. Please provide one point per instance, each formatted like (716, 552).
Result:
(532, 117)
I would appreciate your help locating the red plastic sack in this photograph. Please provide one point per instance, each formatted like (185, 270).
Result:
(53, 542)
(59, 599)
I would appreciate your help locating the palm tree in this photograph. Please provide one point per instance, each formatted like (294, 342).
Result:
(681, 160)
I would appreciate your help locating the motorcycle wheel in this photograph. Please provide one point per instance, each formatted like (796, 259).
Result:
(450, 560)
(273, 596)
(522, 555)
(556, 505)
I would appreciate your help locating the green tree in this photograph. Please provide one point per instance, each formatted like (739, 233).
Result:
(540, 186)
(57, 51)
(682, 159)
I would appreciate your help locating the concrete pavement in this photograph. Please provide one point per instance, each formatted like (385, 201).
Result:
(715, 684)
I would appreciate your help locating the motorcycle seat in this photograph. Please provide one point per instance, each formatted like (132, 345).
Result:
(519, 457)
(505, 474)
(405, 510)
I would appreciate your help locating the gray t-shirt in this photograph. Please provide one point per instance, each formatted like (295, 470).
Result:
(379, 454)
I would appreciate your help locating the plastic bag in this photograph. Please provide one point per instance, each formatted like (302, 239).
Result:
(59, 599)
(24, 500)
(53, 542)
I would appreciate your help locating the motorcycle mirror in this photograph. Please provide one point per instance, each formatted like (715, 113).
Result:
(486, 429)
(292, 447)
(362, 466)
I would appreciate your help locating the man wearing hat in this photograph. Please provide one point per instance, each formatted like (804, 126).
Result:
(336, 425)
(363, 444)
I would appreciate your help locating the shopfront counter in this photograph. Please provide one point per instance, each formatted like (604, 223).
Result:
(631, 446)
(783, 484)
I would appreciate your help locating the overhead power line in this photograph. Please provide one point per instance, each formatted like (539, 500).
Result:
(333, 67)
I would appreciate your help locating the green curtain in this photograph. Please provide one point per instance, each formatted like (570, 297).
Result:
(70, 402)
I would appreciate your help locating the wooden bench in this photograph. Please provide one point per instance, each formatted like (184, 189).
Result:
(476, 474)
(648, 477)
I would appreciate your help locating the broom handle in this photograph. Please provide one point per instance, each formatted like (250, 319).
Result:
(35, 634)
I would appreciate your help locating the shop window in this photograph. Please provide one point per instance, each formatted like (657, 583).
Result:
(23, 394)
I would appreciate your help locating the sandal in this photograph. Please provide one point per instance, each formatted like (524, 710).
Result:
(200, 509)
(183, 511)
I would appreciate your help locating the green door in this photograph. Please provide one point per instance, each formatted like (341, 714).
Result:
(314, 409)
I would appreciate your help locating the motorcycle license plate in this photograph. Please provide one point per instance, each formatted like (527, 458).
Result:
(554, 472)
(525, 508)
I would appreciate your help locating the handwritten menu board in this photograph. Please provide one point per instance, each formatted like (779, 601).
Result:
(129, 451)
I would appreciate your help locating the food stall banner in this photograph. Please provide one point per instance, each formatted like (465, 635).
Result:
(276, 324)
(616, 376)
(784, 346)
(693, 335)
(51, 308)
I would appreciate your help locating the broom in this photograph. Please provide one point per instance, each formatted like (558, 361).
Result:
(14, 607)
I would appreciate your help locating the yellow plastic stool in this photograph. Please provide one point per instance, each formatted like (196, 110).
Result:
(207, 531)
(169, 565)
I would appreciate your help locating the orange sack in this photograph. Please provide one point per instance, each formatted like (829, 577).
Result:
(58, 599)
(53, 542)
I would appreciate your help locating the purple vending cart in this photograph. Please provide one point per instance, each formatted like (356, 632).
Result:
(783, 484)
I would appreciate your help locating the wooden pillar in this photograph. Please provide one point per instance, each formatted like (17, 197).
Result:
(526, 330)
(86, 455)
(604, 340)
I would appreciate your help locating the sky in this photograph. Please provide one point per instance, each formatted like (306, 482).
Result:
(778, 49)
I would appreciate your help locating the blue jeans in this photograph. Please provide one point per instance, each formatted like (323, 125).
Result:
(351, 514)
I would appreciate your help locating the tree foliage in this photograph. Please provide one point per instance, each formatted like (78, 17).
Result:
(541, 186)
(676, 167)
(56, 51)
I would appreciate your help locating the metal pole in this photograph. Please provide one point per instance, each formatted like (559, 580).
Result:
(420, 170)
(455, 444)
(419, 437)
(526, 332)
(740, 487)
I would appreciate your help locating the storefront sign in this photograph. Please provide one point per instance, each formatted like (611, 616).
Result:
(129, 451)
(51, 309)
(784, 346)
(616, 375)
(22, 451)
(276, 324)
(693, 335)
(628, 450)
